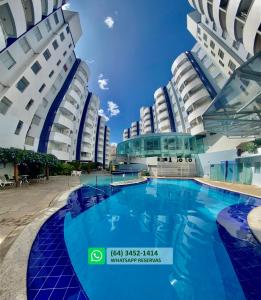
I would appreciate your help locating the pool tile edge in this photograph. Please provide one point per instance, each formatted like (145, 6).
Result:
(13, 270)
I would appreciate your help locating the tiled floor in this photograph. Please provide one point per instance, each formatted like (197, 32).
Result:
(50, 274)
(243, 249)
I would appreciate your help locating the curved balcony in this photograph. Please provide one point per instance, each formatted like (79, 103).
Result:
(177, 61)
(193, 84)
(86, 74)
(199, 7)
(64, 121)
(182, 70)
(197, 112)
(187, 76)
(198, 96)
(191, 3)
(146, 117)
(60, 138)
(163, 116)
(75, 96)
(252, 24)
(61, 155)
(206, 10)
(159, 92)
(164, 125)
(216, 14)
(232, 9)
(147, 123)
(2, 39)
(163, 107)
(198, 129)
(79, 85)
(70, 108)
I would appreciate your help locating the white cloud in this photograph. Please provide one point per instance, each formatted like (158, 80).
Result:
(112, 111)
(66, 6)
(103, 82)
(113, 108)
(90, 61)
(102, 113)
(109, 21)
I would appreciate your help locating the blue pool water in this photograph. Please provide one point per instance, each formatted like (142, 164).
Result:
(206, 227)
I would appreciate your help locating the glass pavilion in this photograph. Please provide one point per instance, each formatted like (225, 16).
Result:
(236, 110)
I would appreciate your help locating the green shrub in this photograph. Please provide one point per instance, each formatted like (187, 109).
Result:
(250, 147)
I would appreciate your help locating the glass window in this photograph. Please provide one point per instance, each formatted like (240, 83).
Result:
(51, 74)
(65, 68)
(55, 44)
(36, 120)
(42, 88)
(48, 25)
(199, 30)
(205, 37)
(24, 44)
(22, 84)
(70, 46)
(37, 34)
(258, 168)
(212, 44)
(62, 37)
(56, 19)
(36, 67)
(29, 104)
(47, 54)
(19, 127)
(58, 62)
(64, 53)
(231, 65)
(221, 53)
(45, 103)
(4, 105)
(221, 63)
(7, 60)
(67, 29)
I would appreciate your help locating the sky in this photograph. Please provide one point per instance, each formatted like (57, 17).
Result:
(130, 46)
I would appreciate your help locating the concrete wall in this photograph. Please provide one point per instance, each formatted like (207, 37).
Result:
(206, 159)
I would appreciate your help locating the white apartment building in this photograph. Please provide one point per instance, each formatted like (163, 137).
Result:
(163, 111)
(44, 100)
(135, 129)
(87, 130)
(126, 134)
(196, 81)
(102, 143)
(228, 30)
(147, 120)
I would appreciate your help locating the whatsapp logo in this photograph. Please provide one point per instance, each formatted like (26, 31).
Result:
(96, 256)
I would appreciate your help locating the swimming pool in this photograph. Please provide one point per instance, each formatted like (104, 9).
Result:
(215, 256)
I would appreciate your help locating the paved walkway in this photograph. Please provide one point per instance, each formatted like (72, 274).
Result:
(241, 188)
(19, 206)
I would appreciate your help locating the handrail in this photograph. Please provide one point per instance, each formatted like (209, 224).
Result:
(96, 189)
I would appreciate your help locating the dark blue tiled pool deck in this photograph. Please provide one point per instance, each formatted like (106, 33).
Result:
(50, 274)
(243, 249)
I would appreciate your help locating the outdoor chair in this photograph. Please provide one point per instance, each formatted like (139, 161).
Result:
(8, 178)
(4, 182)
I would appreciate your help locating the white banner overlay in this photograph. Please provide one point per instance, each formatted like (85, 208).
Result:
(139, 256)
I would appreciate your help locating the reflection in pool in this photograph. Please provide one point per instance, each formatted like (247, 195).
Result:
(162, 213)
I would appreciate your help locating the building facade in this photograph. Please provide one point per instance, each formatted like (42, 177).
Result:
(228, 30)
(45, 104)
(102, 143)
